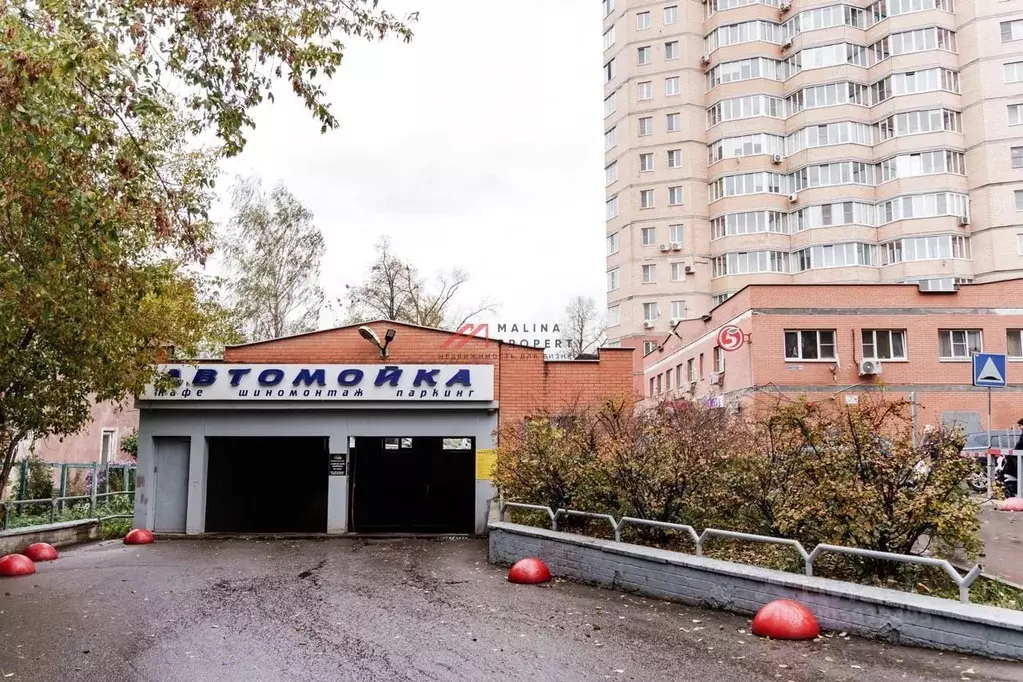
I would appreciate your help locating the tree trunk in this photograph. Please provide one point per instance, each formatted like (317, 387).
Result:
(8, 449)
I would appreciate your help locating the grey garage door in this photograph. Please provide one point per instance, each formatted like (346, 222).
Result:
(171, 484)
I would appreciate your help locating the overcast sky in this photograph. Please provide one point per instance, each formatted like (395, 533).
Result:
(477, 145)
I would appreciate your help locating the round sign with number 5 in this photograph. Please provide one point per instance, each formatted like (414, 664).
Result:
(731, 338)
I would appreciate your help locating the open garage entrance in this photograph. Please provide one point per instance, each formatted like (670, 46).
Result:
(266, 485)
(413, 485)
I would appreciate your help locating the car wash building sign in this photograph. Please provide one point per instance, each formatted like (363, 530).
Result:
(333, 383)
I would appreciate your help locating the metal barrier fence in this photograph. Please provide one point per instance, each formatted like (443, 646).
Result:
(54, 502)
(963, 582)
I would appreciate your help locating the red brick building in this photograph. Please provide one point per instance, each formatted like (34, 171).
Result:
(385, 427)
(822, 340)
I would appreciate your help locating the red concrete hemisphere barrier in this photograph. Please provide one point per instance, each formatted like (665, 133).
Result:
(529, 571)
(16, 564)
(138, 536)
(1012, 504)
(41, 551)
(785, 619)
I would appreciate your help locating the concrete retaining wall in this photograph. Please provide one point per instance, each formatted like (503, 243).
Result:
(873, 612)
(57, 534)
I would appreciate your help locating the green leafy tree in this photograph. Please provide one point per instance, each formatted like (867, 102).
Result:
(103, 203)
(273, 251)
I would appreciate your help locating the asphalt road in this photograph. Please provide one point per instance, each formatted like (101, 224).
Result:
(1003, 543)
(407, 609)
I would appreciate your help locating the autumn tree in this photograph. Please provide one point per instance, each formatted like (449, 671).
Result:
(394, 289)
(584, 328)
(272, 253)
(104, 204)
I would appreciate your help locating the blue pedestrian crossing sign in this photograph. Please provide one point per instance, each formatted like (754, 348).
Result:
(989, 370)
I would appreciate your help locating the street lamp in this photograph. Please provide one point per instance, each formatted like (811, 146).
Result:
(370, 335)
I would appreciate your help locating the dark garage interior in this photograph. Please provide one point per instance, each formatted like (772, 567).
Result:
(413, 485)
(267, 485)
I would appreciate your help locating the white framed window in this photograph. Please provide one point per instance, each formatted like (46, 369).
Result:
(609, 37)
(678, 272)
(1011, 30)
(691, 370)
(609, 6)
(675, 233)
(1013, 72)
(650, 313)
(1019, 244)
(613, 244)
(108, 446)
(679, 375)
(643, 55)
(672, 86)
(646, 162)
(649, 347)
(646, 198)
(667, 380)
(611, 173)
(649, 273)
(674, 122)
(611, 208)
(611, 104)
(675, 196)
(613, 281)
(614, 316)
(611, 139)
(1018, 195)
(1014, 343)
(642, 20)
(648, 236)
(1015, 114)
(810, 344)
(678, 310)
(884, 344)
(670, 14)
(674, 158)
(959, 344)
(719, 359)
(644, 91)
(1016, 157)
(609, 71)
(646, 126)
(671, 49)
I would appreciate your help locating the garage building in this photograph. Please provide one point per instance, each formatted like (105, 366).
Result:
(383, 428)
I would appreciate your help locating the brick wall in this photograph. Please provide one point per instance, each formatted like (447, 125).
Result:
(524, 383)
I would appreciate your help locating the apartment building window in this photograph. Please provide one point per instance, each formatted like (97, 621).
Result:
(678, 310)
(810, 344)
(611, 139)
(660, 384)
(646, 198)
(613, 280)
(1011, 30)
(959, 344)
(107, 452)
(650, 312)
(611, 173)
(649, 347)
(613, 244)
(609, 38)
(679, 376)
(939, 247)
(670, 14)
(678, 272)
(1018, 194)
(671, 49)
(750, 262)
(609, 71)
(1014, 72)
(884, 344)
(1016, 154)
(611, 208)
(675, 233)
(648, 236)
(672, 86)
(609, 6)
(1015, 114)
(642, 20)
(719, 359)
(1014, 343)
(611, 104)
(649, 274)
(646, 126)
(646, 162)
(644, 90)
(1019, 244)
(691, 369)
(675, 196)
(674, 158)
(643, 55)
(614, 316)
(674, 122)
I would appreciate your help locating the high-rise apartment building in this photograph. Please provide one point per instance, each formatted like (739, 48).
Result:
(768, 141)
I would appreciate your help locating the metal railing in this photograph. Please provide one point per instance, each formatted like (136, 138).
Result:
(963, 582)
(55, 502)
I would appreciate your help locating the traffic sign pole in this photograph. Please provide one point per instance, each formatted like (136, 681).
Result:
(990, 471)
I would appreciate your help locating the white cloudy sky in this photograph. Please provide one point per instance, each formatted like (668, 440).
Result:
(478, 145)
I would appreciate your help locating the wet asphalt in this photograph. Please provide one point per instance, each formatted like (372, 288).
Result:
(389, 609)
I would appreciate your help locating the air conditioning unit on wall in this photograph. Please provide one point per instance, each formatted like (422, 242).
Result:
(870, 367)
(649, 324)
(716, 378)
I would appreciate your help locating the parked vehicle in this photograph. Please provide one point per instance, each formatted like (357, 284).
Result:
(1005, 474)
(977, 445)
